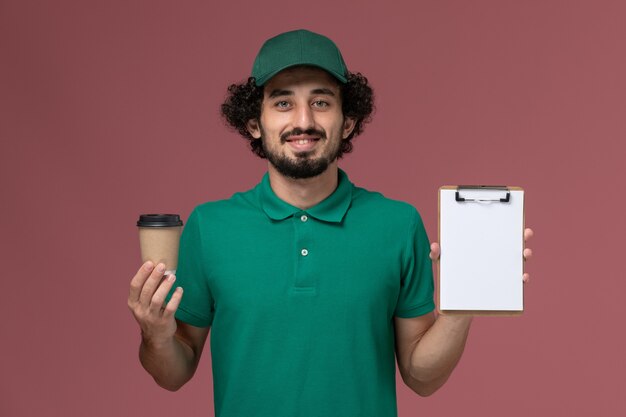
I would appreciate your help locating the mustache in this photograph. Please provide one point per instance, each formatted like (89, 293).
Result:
(297, 132)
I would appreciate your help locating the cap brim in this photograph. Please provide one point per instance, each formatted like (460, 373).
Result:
(265, 78)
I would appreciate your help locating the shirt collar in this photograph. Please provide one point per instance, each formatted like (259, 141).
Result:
(331, 209)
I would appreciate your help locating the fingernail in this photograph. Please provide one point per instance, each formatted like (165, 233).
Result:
(161, 268)
(171, 278)
(148, 266)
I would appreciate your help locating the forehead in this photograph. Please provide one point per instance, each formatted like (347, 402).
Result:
(301, 77)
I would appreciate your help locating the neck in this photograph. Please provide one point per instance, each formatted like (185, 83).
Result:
(306, 192)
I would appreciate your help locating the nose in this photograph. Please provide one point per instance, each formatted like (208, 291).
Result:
(304, 118)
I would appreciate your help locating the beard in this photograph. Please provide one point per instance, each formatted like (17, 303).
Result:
(304, 165)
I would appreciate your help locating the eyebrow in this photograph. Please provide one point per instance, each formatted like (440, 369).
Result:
(279, 92)
(326, 91)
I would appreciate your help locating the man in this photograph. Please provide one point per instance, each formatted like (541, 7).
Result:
(311, 285)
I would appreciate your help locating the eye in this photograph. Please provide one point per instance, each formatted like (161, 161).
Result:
(283, 104)
(320, 103)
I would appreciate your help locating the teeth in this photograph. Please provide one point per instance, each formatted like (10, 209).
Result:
(303, 141)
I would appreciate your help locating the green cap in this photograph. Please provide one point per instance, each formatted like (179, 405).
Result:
(298, 47)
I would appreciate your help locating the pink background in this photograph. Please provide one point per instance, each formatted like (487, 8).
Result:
(110, 109)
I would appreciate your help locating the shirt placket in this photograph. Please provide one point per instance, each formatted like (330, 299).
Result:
(304, 252)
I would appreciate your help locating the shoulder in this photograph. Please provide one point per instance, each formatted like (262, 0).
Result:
(226, 208)
(376, 203)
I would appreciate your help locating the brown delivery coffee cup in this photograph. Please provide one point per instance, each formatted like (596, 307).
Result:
(159, 237)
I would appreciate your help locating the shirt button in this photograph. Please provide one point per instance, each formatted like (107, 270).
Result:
(304, 218)
(304, 252)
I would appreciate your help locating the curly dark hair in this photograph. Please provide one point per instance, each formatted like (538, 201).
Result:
(243, 103)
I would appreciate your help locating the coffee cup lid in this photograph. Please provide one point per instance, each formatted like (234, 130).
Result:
(159, 220)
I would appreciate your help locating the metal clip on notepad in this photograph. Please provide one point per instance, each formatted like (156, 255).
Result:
(483, 188)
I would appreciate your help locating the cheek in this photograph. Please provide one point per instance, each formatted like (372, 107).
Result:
(274, 124)
(334, 128)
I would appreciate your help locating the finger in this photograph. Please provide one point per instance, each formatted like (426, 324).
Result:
(435, 251)
(528, 253)
(172, 305)
(526, 278)
(151, 285)
(136, 284)
(158, 299)
(528, 233)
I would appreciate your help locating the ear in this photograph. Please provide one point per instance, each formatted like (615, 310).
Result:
(253, 128)
(348, 126)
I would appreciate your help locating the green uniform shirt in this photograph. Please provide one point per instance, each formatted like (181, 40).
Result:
(301, 302)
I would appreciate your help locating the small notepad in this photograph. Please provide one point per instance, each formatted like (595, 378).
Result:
(481, 235)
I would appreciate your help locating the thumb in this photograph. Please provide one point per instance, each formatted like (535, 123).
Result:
(172, 305)
(435, 251)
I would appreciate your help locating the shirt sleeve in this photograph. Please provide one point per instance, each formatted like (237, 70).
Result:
(416, 285)
(196, 306)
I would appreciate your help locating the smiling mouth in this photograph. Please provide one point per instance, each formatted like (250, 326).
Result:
(303, 141)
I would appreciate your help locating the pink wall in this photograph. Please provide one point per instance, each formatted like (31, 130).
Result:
(110, 109)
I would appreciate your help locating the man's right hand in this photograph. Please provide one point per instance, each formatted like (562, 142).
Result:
(146, 299)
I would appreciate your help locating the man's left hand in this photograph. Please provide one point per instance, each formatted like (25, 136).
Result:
(435, 251)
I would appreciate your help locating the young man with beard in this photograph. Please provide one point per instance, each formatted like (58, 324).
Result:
(311, 286)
